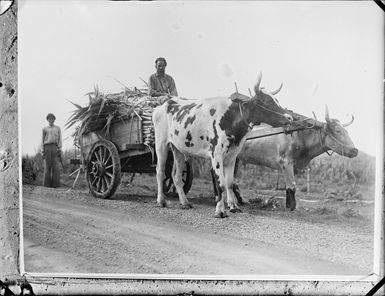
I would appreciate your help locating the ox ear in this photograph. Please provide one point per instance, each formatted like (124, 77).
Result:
(258, 83)
(327, 118)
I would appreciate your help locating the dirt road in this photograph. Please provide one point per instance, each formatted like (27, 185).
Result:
(70, 231)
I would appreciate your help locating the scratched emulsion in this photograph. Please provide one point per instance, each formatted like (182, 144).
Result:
(9, 186)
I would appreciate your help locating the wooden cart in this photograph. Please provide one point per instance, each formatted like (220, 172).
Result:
(106, 154)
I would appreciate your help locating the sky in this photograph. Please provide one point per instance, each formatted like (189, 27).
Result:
(324, 53)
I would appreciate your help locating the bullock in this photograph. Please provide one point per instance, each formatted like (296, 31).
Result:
(213, 128)
(291, 152)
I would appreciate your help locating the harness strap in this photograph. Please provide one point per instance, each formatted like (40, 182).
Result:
(269, 110)
(339, 142)
(249, 124)
(322, 140)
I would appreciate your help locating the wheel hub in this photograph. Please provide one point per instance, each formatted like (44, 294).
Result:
(98, 169)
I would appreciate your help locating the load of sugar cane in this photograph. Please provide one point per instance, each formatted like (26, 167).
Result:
(103, 109)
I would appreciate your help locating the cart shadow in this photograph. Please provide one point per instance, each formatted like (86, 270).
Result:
(144, 198)
(208, 201)
(252, 207)
(134, 197)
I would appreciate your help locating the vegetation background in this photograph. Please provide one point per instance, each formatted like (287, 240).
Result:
(333, 176)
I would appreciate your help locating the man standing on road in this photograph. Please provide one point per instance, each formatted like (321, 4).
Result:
(51, 150)
(159, 83)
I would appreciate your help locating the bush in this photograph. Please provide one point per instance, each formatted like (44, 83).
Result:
(29, 170)
(33, 167)
(356, 171)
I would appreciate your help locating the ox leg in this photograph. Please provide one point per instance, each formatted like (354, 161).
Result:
(229, 183)
(215, 182)
(161, 153)
(236, 190)
(178, 180)
(238, 195)
(220, 211)
(288, 172)
(290, 199)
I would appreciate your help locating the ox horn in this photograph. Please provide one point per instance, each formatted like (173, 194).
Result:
(350, 122)
(258, 83)
(277, 90)
(327, 113)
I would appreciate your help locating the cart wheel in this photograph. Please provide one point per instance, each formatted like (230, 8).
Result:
(187, 177)
(103, 169)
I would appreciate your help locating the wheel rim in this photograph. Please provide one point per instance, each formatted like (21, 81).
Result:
(101, 169)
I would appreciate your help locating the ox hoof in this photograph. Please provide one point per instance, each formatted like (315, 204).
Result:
(220, 215)
(290, 199)
(162, 204)
(291, 205)
(236, 210)
(291, 208)
(187, 206)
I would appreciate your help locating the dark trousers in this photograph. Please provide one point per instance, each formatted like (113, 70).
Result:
(51, 166)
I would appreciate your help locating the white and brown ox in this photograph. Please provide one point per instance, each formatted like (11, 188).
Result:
(291, 152)
(210, 128)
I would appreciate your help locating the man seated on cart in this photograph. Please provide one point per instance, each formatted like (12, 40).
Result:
(160, 83)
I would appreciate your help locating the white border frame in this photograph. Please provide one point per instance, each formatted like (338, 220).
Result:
(119, 284)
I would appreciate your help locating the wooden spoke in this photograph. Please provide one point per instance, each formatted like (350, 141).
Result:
(103, 185)
(96, 155)
(98, 185)
(106, 181)
(100, 154)
(108, 158)
(93, 182)
(110, 166)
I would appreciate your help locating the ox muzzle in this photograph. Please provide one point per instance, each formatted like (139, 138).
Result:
(351, 152)
(289, 120)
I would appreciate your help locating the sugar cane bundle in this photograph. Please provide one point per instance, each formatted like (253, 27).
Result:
(105, 108)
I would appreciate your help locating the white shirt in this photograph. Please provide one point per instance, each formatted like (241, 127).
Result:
(51, 135)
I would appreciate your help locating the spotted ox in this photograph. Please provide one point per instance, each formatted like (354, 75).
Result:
(289, 152)
(210, 128)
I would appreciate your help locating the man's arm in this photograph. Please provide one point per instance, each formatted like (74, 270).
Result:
(42, 141)
(152, 88)
(173, 90)
(59, 141)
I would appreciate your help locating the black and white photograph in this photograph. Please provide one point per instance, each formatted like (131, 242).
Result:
(201, 139)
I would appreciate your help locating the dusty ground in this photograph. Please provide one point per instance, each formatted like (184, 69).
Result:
(70, 231)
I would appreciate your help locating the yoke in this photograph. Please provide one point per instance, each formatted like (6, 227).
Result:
(306, 123)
